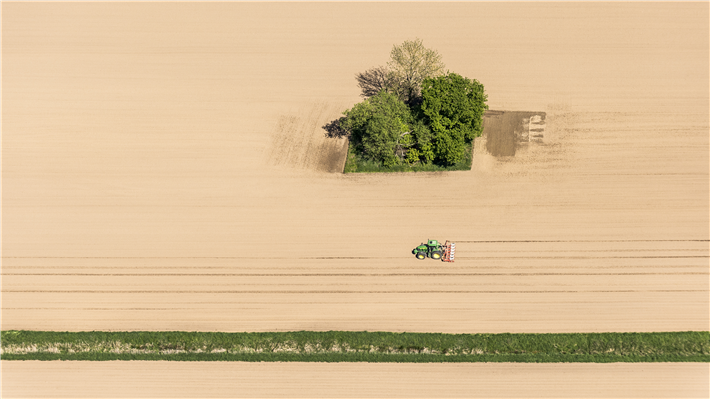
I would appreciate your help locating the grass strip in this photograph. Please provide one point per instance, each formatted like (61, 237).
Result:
(346, 346)
(357, 357)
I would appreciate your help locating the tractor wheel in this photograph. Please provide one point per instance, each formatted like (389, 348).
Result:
(421, 255)
(436, 255)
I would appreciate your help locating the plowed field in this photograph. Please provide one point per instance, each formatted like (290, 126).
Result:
(353, 380)
(163, 168)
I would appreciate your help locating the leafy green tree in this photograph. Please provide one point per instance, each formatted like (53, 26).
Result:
(378, 128)
(413, 112)
(410, 63)
(453, 106)
(383, 128)
(424, 139)
(380, 141)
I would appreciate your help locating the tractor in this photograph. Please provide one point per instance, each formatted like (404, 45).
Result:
(434, 250)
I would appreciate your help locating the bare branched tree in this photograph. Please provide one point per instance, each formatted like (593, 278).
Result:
(375, 80)
(410, 64)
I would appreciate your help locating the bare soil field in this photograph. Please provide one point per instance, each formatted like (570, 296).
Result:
(299, 140)
(352, 380)
(505, 131)
(149, 180)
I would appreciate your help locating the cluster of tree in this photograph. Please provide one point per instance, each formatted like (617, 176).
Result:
(413, 112)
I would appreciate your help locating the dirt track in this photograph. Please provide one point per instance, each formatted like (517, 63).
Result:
(148, 183)
(354, 380)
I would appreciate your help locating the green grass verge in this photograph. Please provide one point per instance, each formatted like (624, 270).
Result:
(355, 164)
(344, 346)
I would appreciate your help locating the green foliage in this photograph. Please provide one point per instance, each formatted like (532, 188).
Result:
(416, 118)
(362, 357)
(413, 156)
(346, 346)
(453, 106)
(379, 128)
(382, 132)
(351, 162)
(356, 164)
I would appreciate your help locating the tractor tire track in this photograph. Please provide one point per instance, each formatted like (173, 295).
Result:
(345, 274)
(335, 291)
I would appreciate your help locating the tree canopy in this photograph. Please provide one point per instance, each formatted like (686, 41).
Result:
(413, 114)
(411, 63)
(375, 80)
(381, 128)
(453, 106)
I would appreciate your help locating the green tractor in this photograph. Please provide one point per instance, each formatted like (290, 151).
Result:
(434, 250)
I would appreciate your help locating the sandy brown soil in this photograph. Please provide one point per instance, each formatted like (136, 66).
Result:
(149, 181)
(299, 140)
(354, 380)
(506, 131)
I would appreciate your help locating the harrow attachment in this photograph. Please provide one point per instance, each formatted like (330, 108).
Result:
(449, 252)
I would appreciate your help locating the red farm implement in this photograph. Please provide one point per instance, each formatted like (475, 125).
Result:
(449, 252)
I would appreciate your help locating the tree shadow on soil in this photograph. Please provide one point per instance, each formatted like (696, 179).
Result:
(333, 130)
(297, 141)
